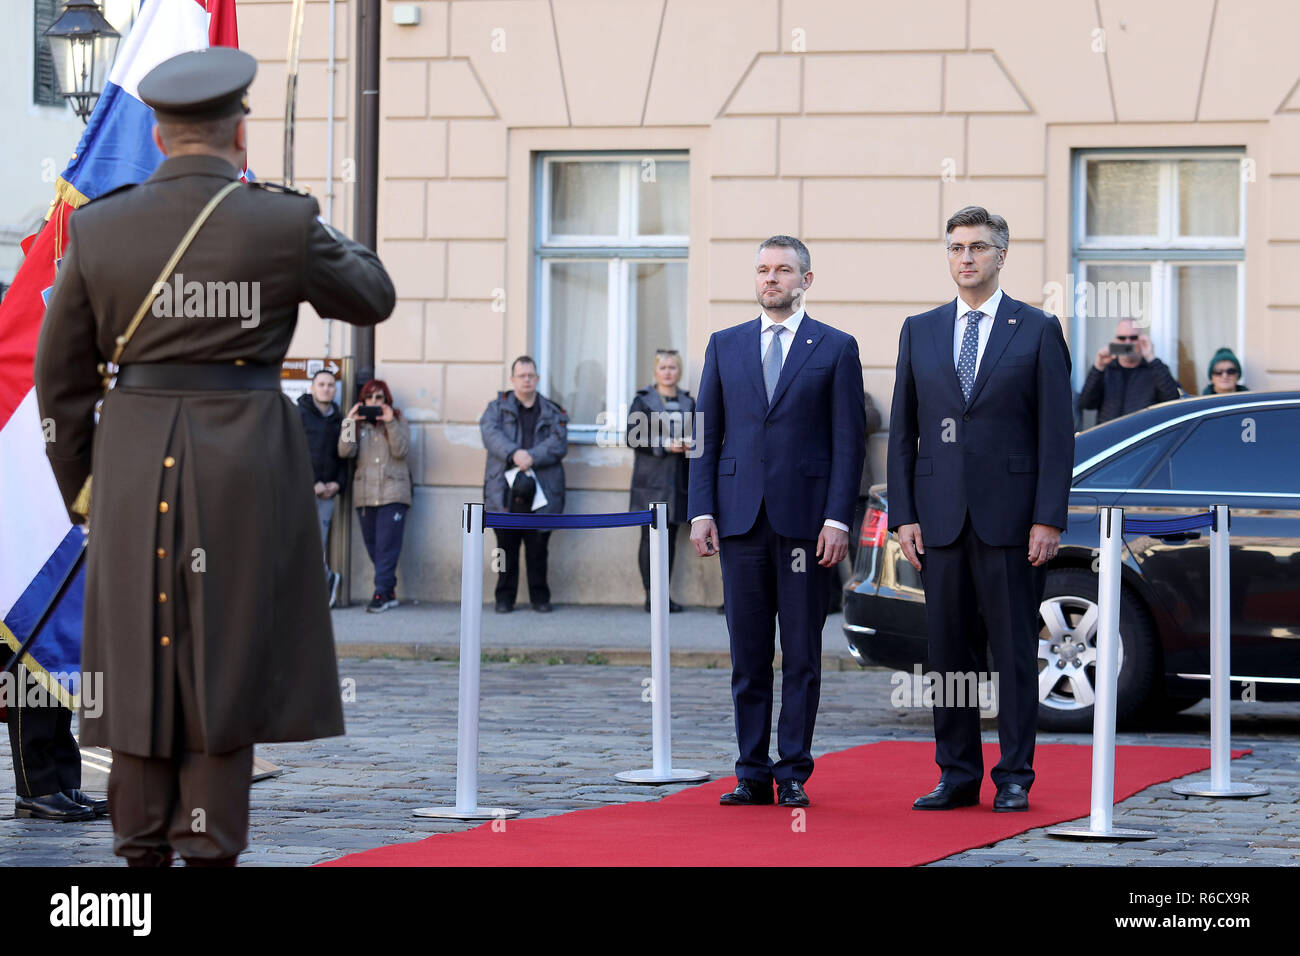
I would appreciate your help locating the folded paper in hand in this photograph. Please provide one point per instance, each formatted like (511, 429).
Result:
(539, 497)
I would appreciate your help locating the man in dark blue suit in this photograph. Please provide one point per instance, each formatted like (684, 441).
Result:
(773, 488)
(981, 445)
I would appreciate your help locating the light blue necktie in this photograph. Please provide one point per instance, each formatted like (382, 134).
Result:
(772, 362)
(969, 355)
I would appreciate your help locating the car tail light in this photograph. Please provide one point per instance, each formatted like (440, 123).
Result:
(875, 529)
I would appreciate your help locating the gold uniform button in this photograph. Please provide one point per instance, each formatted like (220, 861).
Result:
(162, 598)
(168, 461)
(166, 641)
(162, 552)
(162, 507)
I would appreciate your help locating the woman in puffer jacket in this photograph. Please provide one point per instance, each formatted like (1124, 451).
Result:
(381, 486)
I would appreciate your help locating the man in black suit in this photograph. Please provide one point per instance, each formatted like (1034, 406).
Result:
(782, 435)
(981, 446)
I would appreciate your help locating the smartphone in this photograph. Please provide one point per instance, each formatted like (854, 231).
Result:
(370, 413)
(1122, 348)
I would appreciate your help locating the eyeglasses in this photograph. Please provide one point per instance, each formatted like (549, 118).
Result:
(1126, 338)
(1226, 371)
(956, 250)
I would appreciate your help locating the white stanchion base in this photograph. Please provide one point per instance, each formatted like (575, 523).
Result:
(1114, 833)
(1206, 789)
(477, 813)
(674, 775)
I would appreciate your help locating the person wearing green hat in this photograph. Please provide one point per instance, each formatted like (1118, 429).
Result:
(1225, 374)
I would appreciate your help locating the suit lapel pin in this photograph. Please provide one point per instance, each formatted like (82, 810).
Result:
(808, 341)
(1011, 321)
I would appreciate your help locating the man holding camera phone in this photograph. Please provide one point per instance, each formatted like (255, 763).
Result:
(1126, 376)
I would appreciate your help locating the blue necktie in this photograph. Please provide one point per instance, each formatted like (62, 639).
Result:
(969, 355)
(772, 362)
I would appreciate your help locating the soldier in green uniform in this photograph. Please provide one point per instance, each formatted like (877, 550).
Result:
(204, 609)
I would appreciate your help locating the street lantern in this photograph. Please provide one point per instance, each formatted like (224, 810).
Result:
(82, 44)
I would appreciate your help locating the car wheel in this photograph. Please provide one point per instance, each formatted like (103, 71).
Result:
(1067, 653)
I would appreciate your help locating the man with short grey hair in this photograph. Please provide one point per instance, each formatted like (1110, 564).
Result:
(981, 445)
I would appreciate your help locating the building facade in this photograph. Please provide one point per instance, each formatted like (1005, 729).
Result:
(586, 181)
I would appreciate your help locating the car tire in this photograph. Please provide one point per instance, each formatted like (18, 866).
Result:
(1070, 602)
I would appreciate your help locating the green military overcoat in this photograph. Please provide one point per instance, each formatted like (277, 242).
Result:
(205, 589)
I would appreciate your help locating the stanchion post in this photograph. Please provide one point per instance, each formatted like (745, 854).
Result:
(1106, 680)
(471, 656)
(661, 743)
(661, 730)
(1221, 784)
(471, 621)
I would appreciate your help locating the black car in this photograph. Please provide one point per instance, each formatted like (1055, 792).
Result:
(1180, 457)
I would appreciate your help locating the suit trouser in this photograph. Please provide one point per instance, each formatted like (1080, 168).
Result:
(768, 578)
(195, 803)
(537, 544)
(979, 596)
(46, 757)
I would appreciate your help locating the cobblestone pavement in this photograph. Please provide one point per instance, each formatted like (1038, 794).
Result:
(554, 736)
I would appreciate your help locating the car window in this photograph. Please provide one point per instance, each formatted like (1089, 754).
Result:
(1127, 469)
(1250, 450)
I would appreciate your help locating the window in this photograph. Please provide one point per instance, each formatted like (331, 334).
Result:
(1127, 468)
(610, 254)
(1249, 450)
(1160, 238)
(45, 88)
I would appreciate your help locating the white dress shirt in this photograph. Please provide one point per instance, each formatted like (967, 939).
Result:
(990, 309)
(787, 340)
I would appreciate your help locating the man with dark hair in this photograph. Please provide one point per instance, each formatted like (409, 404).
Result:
(526, 437)
(981, 444)
(208, 637)
(781, 441)
(1129, 382)
(322, 421)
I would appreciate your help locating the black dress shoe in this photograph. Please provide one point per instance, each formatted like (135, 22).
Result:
(647, 605)
(100, 807)
(52, 806)
(504, 608)
(790, 793)
(674, 607)
(1011, 798)
(722, 609)
(542, 607)
(748, 793)
(946, 796)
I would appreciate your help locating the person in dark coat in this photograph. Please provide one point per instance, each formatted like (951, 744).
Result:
(322, 421)
(658, 422)
(211, 632)
(1225, 374)
(1118, 385)
(523, 429)
(859, 513)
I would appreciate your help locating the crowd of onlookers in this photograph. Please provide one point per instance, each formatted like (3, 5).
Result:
(526, 438)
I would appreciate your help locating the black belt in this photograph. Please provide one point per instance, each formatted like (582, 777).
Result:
(182, 376)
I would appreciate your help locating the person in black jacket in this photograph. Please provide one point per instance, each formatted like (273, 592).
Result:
(657, 424)
(1117, 385)
(323, 421)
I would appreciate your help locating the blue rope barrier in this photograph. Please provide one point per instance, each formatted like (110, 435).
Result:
(1169, 525)
(528, 522)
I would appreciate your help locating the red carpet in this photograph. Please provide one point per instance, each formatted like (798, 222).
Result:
(861, 816)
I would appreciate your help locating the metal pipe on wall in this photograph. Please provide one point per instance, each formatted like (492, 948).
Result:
(367, 188)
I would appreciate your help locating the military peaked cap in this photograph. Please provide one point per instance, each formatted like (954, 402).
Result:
(200, 85)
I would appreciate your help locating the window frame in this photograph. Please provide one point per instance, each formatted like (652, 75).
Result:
(1162, 253)
(622, 254)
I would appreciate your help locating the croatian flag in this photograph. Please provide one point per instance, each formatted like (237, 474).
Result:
(37, 541)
